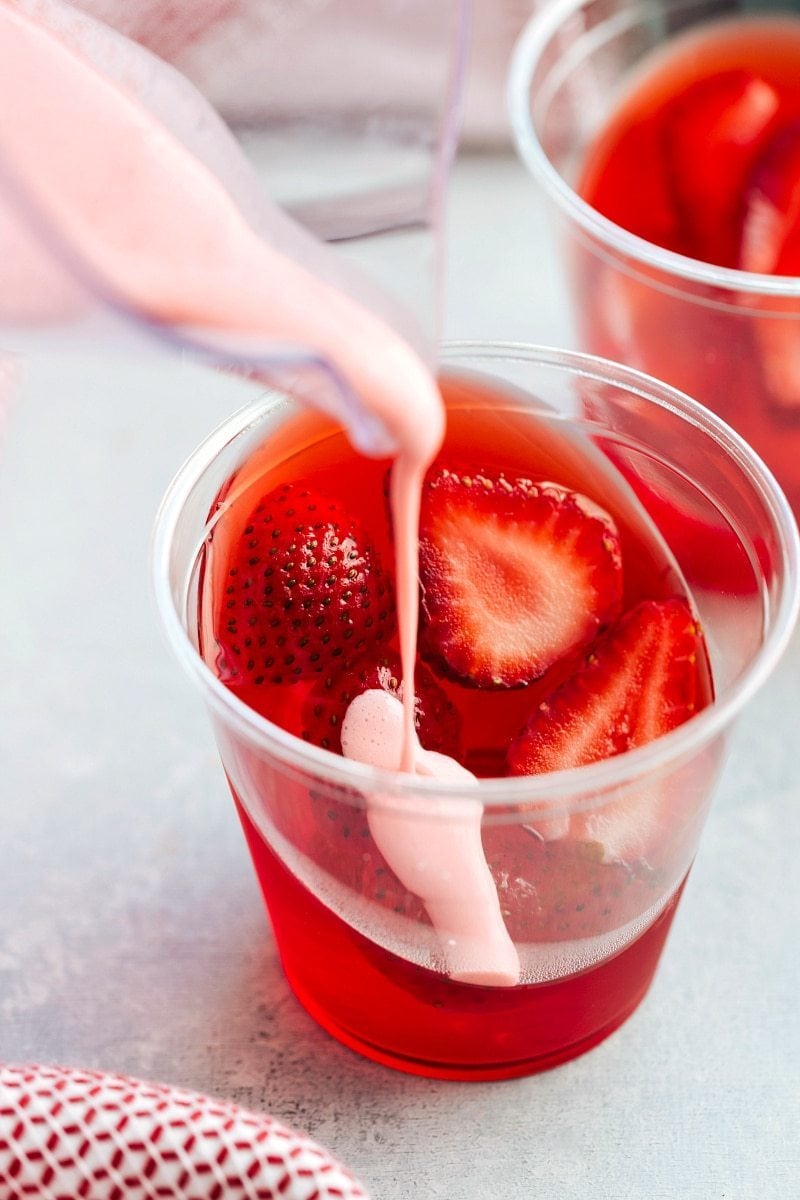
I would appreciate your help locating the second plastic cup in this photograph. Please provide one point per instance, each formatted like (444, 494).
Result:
(358, 950)
(729, 338)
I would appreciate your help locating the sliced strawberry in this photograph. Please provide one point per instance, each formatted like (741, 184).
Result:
(438, 723)
(770, 228)
(514, 575)
(639, 682)
(646, 677)
(628, 181)
(714, 131)
(560, 891)
(770, 244)
(304, 593)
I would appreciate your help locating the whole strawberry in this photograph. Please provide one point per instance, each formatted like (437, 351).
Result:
(304, 592)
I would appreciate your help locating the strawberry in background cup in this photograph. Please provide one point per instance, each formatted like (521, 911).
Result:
(550, 601)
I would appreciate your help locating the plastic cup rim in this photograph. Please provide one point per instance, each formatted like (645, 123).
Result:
(530, 44)
(577, 783)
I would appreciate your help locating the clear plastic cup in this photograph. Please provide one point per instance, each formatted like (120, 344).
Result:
(729, 338)
(357, 949)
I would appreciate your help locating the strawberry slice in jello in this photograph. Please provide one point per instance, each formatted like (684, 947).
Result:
(713, 132)
(770, 245)
(643, 679)
(552, 891)
(770, 227)
(515, 575)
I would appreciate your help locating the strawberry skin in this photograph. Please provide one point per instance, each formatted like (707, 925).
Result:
(639, 682)
(514, 575)
(713, 133)
(564, 890)
(771, 219)
(438, 723)
(304, 593)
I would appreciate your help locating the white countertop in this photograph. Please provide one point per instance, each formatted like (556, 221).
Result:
(132, 936)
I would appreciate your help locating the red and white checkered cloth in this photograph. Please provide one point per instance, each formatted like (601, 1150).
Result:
(67, 1134)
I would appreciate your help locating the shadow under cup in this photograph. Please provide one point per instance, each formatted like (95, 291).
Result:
(729, 338)
(358, 949)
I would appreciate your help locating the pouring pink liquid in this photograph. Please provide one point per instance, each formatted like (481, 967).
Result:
(156, 228)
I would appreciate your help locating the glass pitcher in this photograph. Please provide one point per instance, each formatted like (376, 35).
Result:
(322, 120)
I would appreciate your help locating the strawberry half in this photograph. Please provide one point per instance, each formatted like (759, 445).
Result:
(438, 723)
(304, 593)
(646, 677)
(713, 133)
(770, 230)
(514, 575)
(770, 244)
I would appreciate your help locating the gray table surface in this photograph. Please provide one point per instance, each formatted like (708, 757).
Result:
(132, 936)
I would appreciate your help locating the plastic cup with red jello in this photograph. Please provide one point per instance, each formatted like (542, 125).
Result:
(667, 137)
(503, 907)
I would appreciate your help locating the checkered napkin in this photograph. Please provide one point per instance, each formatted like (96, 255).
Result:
(84, 1135)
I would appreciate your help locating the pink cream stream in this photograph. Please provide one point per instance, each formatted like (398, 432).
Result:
(153, 223)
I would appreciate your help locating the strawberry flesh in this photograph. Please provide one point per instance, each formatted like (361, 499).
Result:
(639, 682)
(514, 575)
(304, 593)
